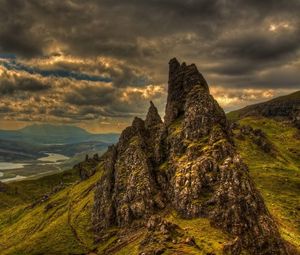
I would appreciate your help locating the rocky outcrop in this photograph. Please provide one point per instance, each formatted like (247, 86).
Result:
(128, 190)
(187, 163)
(152, 119)
(182, 79)
(161, 234)
(88, 167)
(257, 136)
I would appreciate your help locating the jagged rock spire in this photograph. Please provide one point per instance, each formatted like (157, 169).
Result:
(152, 118)
(138, 123)
(190, 166)
(182, 79)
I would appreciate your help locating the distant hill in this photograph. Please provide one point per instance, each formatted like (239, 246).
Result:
(11, 150)
(283, 107)
(57, 130)
(55, 134)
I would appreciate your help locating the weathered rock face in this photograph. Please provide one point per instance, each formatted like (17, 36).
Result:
(188, 163)
(181, 79)
(128, 190)
(152, 119)
(239, 209)
(88, 167)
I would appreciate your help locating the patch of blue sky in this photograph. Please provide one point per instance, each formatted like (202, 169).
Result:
(12, 64)
(7, 56)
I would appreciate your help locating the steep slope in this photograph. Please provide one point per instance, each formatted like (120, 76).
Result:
(188, 163)
(276, 172)
(286, 107)
(59, 222)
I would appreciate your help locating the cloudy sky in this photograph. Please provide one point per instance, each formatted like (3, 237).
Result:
(96, 64)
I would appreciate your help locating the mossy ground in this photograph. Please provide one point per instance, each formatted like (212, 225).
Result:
(63, 229)
(26, 191)
(209, 240)
(276, 176)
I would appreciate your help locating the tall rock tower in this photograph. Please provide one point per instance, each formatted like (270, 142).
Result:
(188, 163)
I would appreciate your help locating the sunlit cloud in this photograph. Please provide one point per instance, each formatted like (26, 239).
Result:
(281, 26)
(231, 99)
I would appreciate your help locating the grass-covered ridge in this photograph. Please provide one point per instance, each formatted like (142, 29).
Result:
(276, 176)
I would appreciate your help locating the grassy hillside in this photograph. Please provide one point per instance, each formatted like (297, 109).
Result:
(62, 224)
(277, 175)
(48, 228)
(27, 191)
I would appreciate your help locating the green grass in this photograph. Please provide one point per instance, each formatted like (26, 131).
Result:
(132, 248)
(276, 176)
(63, 229)
(26, 191)
(233, 116)
(62, 225)
(208, 239)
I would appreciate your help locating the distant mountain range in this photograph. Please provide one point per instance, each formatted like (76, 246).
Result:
(32, 142)
(55, 134)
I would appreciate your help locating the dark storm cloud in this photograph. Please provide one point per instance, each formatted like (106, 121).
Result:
(108, 101)
(17, 35)
(14, 38)
(247, 53)
(87, 95)
(14, 65)
(240, 45)
(263, 47)
(115, 29)
(12, 84)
